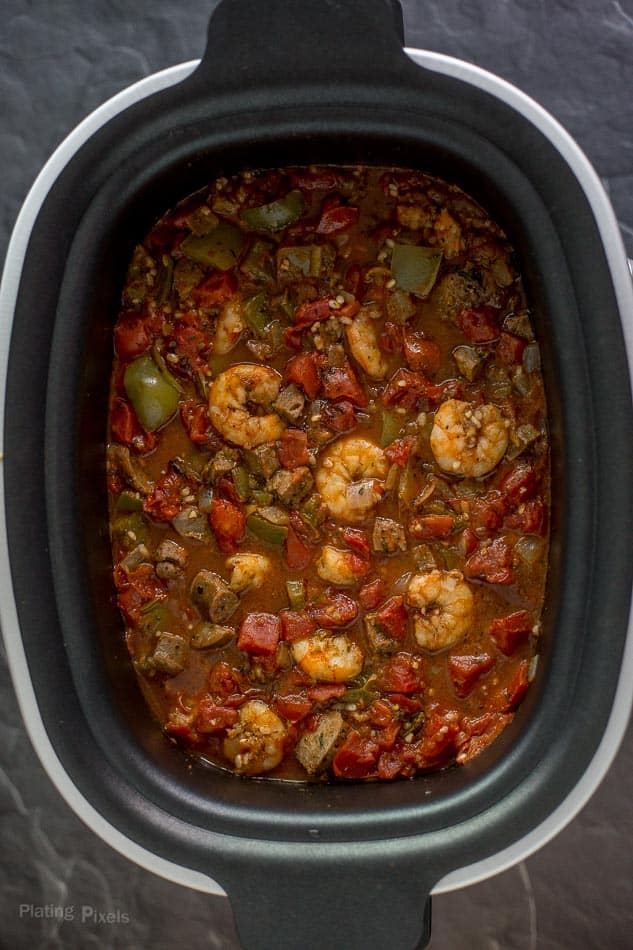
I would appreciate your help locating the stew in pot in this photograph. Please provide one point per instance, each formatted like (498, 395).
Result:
(328, 474)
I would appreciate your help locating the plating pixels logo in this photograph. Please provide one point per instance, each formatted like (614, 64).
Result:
(86, 913)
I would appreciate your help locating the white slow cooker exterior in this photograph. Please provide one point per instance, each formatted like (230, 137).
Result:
(615, 253)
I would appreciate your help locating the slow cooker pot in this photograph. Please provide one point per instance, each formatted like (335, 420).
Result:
(297, 83)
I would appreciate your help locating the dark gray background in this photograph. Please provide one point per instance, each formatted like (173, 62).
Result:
(58, 61)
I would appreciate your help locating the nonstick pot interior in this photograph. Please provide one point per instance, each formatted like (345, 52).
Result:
(99, 208)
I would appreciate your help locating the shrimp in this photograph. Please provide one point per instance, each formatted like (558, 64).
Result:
(332, 659)
(362, 338)
(248, 571)
(443, 608)
(256, 742)
(231, 393)
(350, 476)
(340, 567)
(468, 440)
(230, 327)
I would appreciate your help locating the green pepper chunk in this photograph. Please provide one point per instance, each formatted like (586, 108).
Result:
(391, 427)
(241, 482)
(131, 530)
(154, 398)
(360, 695)
(258, 262)
(266, 530)
(256, 313)
(296, 594)
(165, 279)
(276, 215)
(415, 268)
(261, 497)
(219, 248)
(129, 501)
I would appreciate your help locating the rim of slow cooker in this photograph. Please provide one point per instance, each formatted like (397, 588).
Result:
(31, 714)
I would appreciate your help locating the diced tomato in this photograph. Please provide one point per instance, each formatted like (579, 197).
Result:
(406, 389)
(508, 632)
(339, 610)
(180, 725)
(191, 343)
(480, 324)
(164, 237)
(337, 218)
(492, 563)
(506, 700)
(225, 681)
(228, 491)
(440, 733)
(428, 527)
(312, 312)
(325, 179)
(323, 692)
(303, 370)
(387, 736)
(467, 542)
(298, 553)
(398, 675)
(296, 625)
(227, 523)
(390, 339)
(405, 703)
(529, 519)
(356, 758)
(422, 355)
(195, 419)
(349, 309)
(293, 450)
(479, 732)
(339, 416)
(212, 718)
(510, 348)
(217, 288)
(390, 764)
(380, 713)
(486, 514)
(137, 589)
(293, 337)
(259, 634)
(354, 280)
(372, 594)
(357, 539)
(398, 452)
(165, 501)
(131, 336)
(293, 708)
(123, 421)
(465, 670)
(341, 382)
(519, 484)
(393, 618)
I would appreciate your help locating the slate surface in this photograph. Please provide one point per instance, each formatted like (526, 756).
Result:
(60, 60)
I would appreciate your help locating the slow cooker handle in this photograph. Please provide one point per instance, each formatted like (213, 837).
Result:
(272, 43)
(358, 903)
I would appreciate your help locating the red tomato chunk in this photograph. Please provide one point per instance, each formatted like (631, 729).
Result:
(259, 634)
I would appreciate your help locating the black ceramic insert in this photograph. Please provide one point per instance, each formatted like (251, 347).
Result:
(283, 83)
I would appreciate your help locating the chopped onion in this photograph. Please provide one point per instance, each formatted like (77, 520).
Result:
(529, 549)
(531, 358)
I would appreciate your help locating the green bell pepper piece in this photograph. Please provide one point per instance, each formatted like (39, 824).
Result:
(391, 427)
(165, 279)
(296, 594)
(258, 262)
(256, 313)
(415, 268)
(154, 398)
(276, 215)
(219, 248)
(266, 530)
(129, 501)
(241, 482)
